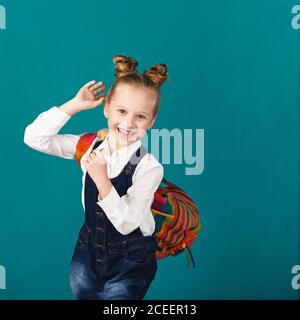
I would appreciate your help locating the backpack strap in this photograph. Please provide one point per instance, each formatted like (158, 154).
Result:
(85, 141)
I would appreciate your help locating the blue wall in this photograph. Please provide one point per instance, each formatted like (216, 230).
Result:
(234, 72)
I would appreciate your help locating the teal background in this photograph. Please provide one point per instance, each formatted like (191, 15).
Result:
(234, 71)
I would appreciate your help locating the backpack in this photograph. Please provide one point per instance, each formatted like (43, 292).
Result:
(175, 213)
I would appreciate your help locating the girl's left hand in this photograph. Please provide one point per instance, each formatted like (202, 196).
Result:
(96, 166)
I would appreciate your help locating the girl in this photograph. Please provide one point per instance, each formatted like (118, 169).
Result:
(114, 256)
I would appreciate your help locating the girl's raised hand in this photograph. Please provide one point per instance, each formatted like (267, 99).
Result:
(87, 96)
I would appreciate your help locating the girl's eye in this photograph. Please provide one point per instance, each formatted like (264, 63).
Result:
(141, 116)
(121, 110)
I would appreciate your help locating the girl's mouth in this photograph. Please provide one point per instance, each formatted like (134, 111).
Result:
(125, 134)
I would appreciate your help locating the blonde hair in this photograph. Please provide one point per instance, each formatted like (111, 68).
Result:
(151, 79)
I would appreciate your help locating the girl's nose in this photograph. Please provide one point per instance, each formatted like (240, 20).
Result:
(130, 122)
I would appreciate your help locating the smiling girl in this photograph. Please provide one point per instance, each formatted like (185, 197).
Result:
(114, 256)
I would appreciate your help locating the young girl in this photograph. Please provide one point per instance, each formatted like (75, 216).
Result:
(114, 255)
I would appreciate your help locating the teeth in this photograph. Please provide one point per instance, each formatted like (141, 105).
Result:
(123, 131)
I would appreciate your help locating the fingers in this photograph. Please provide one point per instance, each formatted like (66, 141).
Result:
(95, 86)
(99, 100)
(89, 159)
(96, 155)
(101, 96)
(100, 157)
(95, 91)
(89, 84)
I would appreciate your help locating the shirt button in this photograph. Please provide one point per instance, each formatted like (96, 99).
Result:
(128, 170)
(99, 213)
(99, 229)
(100, 261)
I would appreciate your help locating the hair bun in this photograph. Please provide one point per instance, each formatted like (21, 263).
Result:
(157, 73)
(124, 65)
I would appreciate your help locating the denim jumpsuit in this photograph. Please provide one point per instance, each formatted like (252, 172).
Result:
(106, 264)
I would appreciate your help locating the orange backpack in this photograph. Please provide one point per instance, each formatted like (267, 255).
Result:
(176, 215)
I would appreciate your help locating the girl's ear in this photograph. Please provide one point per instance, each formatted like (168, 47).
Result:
(105, 108)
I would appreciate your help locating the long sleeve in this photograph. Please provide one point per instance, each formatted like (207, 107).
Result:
(128, 212)
(42, 134)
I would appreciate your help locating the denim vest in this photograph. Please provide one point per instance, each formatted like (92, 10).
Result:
(97, 229)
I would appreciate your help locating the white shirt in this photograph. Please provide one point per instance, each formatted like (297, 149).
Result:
(126, 213)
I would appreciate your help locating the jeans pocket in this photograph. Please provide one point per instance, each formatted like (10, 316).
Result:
(140, 256)
(137, 256)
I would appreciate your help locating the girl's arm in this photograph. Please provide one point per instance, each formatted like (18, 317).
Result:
(128, 212)
(42, 134)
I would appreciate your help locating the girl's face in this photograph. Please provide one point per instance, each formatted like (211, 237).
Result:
(129, 114)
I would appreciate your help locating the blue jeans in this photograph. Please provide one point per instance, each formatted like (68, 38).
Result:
(126, 270)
